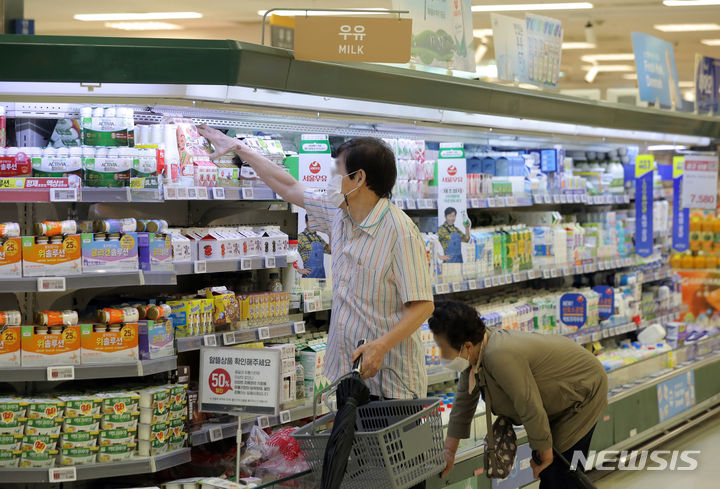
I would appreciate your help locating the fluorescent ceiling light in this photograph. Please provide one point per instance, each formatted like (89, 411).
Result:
(687, 27)
(666, 147)
(690, 3)
(609, 68)
(630, 76)
(711, 42)
(578, 45)
(143, 26)
(482, 33)
(520, 7)
(689, 96)
(686, 84)
(138, 16)
(297, 13)
(594, 58)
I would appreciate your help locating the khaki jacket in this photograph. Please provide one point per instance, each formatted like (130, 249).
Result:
(554, 387)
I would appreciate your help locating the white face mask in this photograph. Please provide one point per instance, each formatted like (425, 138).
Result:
(458, 364)
(334, 190)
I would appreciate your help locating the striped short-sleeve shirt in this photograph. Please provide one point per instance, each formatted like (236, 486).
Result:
(375, 272)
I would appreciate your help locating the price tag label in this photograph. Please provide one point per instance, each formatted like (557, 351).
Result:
(263, 333)
(285, 417)
(299, 327)
(400, 203)
(215, 433)
(502, 201)
(422, 204)
(218, 193)
(182, 193)
(411, 204)
(554, 273)
(445, 288)
(700, 182)
(55, 374)
(248, 193)
(51, 284)
(492, 202)
(200, 266)
(202, 193)
(63, 195)
(495, 281)
(475, 203)
(192, 193)
(457, 286)
(472, 284)
(263, 422)
(210, 340)
(229, 338)
(170, 193)
(246, 264)
(62, 474)
(270, 262)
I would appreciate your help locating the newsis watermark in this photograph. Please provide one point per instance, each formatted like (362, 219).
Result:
(659, 460)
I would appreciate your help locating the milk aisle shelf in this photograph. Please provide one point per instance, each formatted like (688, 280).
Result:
(253, 88)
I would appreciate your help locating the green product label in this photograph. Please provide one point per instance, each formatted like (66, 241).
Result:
(452, 153)
(315, 146)
(107, 172)
(105, 131)
(117, 449)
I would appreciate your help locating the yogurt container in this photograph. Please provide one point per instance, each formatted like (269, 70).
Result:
(10, 458)
(10, 443)
(78, 456)
(82, 423)
(116, 453)
(43, 426)
(119, 436)
(80, 439)
(43, 460)
(81, 405)
(114, 421)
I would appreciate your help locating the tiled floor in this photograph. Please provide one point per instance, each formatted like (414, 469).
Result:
(705, 437)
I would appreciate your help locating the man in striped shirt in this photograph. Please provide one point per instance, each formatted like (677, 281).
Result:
(381, 281)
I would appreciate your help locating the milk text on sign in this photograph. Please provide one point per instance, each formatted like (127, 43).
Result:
(352, 33)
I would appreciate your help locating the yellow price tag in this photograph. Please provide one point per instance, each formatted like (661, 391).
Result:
(12, 183)
(137, 183)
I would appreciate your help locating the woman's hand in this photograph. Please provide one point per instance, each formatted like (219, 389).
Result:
(546, 458)
(451, 446)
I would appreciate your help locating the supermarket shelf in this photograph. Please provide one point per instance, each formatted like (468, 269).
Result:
(662, 274)
(217, 266)
(440, 376)
(100, 471)
(228, 430)
(599, 333)
(517, 277)
(87, 372)
(581, 198)
(524, 200)
(230, 338)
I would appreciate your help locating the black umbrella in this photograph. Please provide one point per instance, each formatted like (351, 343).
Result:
(351, 393)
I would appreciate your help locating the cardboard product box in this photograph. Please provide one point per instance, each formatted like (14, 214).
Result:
(251, 242)
(104, 256)
(44, 350)
(156, 339)
(184, 250)
(206, 173)
(312, 358)
(227, 308)
(155, 252)
(186, 317)
(10, 347)
(228, 173)
(109, 346)
(60, 259)
(207, 313)
(11, 257)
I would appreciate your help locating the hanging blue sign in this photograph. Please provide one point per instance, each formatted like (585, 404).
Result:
(644, 244)
(656, 70)
(607, 301)
(573, 310)
(707, 84)
(681, 216)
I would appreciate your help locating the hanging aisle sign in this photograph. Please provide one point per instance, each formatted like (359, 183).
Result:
(240, 380)
(544, 42)
(707, 84)
(607, 301)
(644, 243)
(353, 39)
(681, 215)
(656, 70)
(700, 182)
(573, 310)
(510, 42)
(453, 220)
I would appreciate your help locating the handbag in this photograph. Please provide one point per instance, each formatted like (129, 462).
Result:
(500, 443)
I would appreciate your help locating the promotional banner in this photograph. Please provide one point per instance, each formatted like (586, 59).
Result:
(442, 32)
(544, 41)
(700, 179)
(453, 221)
(681, 215)
(644, 243)
(528, 51)
(656, 70)
(510, 41)
(355, 39)
(707, 84)
(312, 168)
(675, 395)
(573, 310)
(240, 380)
(606, 306)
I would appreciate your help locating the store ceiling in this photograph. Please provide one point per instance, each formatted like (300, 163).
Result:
(613, 21)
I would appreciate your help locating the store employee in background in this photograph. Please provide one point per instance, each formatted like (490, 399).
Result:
(312, 249)
(381, 281)
(549, 384)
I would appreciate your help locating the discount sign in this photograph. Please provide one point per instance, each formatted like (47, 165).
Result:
(240, 380)
(700, 181)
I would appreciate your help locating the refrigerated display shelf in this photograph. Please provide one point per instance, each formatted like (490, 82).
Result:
(517, 277)
(140, 368)
(439, 375)
(598, 333)
(230, 338)
(135, 466)
(218, 266)
(524, 200)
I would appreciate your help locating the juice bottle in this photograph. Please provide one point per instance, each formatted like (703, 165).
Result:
(695, 232)
(688, 260)
(700, 261)
(716, 232)
(711, 261)
(676, 260)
